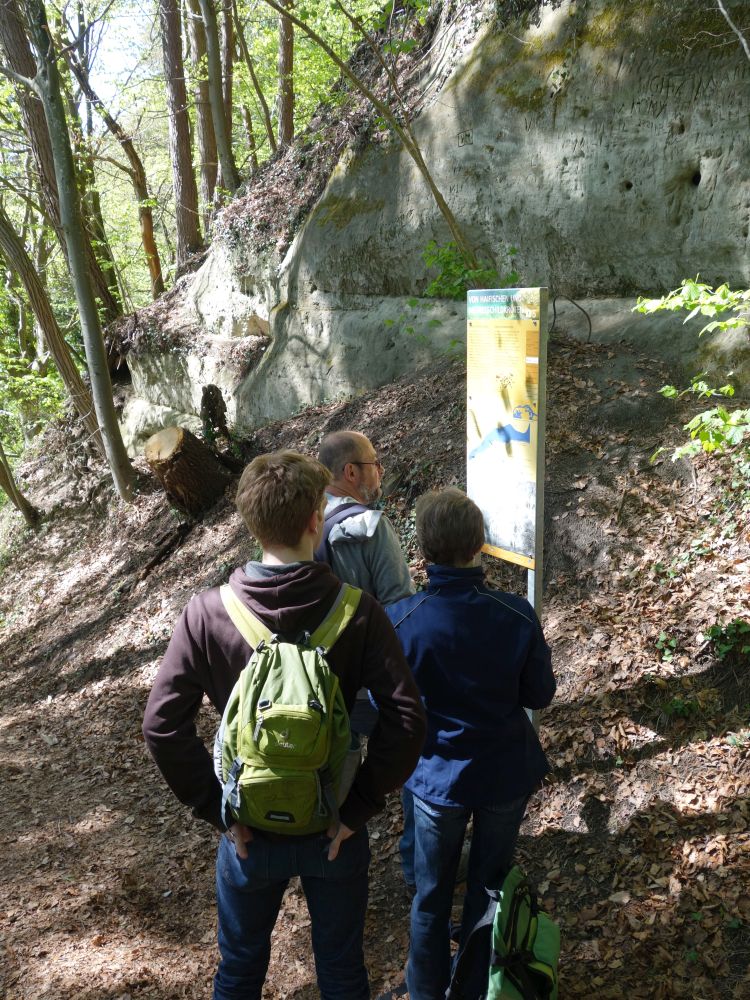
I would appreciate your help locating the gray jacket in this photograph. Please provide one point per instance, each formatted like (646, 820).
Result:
(366, 552)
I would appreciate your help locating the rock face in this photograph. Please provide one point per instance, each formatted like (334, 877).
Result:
(228, 304)
(168, 383)
(609, 144)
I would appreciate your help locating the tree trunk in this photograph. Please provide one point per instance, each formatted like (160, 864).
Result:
(137, 176)
(91, 204)
(403, 131)
(191, 475)
(17, 258)
(254, 78)
(8, 484)
(19, 58)
(230, 178)
(247, 120)
(18, 314)
(183, 176)
(742, 40)
(227, 62)
(286, 77)
(42, 251)
(81, 126)
(48, 85)
(204, 126)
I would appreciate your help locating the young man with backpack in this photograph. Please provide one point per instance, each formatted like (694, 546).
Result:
(288, 605)
(479, 659)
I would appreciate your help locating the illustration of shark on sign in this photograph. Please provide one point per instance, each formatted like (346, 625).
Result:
(508, 433)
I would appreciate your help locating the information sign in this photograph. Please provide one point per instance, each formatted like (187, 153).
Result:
(506, 385)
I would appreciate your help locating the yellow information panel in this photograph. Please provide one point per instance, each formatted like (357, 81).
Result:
(506, 385)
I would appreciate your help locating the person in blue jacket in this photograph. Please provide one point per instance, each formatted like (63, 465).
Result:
(480, 659)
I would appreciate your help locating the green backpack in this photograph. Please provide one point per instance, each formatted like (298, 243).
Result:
(519, 942)
(283, 752)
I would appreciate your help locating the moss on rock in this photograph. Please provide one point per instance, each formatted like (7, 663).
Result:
(339, 212)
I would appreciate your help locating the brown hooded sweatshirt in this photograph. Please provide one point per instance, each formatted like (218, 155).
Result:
(207, 653)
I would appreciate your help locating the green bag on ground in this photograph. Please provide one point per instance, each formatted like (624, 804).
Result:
(516, 941)
(283, 752)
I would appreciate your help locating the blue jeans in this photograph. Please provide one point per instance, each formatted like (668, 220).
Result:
(406, 843)
(439, 835)
(248, 897)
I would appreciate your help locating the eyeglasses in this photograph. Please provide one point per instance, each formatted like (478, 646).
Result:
(377, 463)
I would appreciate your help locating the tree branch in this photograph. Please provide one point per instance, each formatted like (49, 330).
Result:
(22, 81)
(357, 24)
(403, 131)
(25, 198)
(77, 39)
(115, 163)
(254, 78)
(735, 29)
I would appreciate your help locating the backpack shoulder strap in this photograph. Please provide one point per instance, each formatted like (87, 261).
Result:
(475, 954)
(252, 630)
(339, 616)
(337, 515)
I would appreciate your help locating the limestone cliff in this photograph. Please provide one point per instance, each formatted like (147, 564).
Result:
(609, 143)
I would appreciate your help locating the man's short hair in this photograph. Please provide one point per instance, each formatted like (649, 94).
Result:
(450, 527)
(277, 494)
(338, 448)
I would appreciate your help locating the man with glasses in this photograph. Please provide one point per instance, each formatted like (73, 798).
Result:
(361, 545)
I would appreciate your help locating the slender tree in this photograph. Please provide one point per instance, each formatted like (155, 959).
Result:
(15, 255)
(26, 340)
(8, 484)
(183, 177)
(742, 40)
(82, 126)
(229, 175)
(19, 60)
(399, 123)
(227, 63)
(27, 344)
(204, 125)
(91, 202)
(46, 85)
(137, 174)
(286, 74)
(263, 104)
(247, 121)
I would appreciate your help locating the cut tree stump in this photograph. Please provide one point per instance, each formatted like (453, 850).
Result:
(192, 476)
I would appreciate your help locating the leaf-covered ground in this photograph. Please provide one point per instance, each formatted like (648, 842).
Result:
(639, 842)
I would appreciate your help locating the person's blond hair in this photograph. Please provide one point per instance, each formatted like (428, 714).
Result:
(277, 494)
(450, 527)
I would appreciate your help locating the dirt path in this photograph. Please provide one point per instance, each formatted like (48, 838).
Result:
(639, 843)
